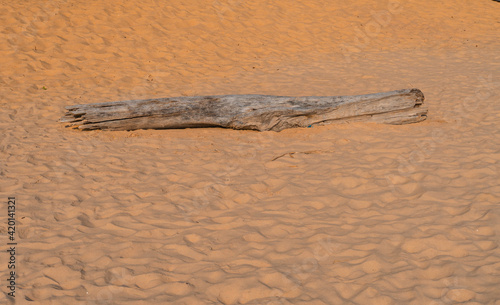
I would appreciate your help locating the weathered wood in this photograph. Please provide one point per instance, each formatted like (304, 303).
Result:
(258, 112)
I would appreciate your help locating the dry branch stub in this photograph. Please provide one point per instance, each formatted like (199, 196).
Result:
(257, 112)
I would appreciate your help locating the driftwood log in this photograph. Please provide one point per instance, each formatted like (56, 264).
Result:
(257, 112)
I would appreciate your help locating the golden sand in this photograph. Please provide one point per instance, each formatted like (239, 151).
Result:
(338, 214)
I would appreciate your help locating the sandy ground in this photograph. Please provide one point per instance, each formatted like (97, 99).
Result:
(338, 214)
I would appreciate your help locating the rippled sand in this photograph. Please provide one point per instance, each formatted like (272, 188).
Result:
(338, 214)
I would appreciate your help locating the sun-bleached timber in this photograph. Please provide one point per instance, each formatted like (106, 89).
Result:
(256, 112)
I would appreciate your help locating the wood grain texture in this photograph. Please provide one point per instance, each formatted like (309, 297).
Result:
(257, 112)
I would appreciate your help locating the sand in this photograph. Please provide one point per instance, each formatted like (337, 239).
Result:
(337, 214)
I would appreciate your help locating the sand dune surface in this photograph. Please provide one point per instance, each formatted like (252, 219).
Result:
(336, 214)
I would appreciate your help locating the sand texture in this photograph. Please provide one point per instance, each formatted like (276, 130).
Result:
(340, 214)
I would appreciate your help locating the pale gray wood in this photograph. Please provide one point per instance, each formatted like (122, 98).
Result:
(258, 112)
